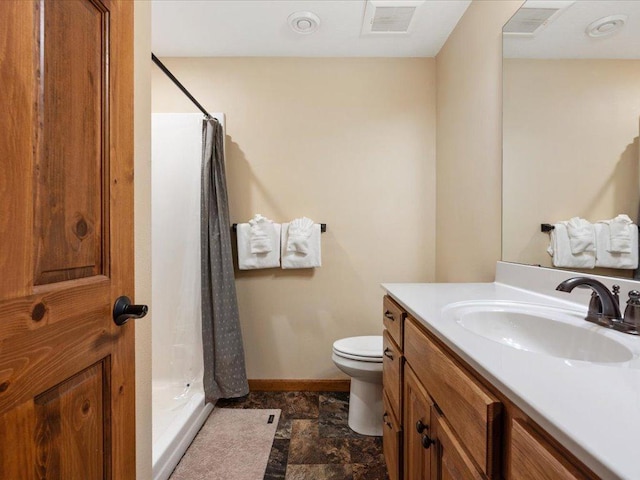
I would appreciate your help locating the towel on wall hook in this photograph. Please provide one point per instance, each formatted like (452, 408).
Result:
(258, 244)
(300, 231)
(304, 250)
(260, 234)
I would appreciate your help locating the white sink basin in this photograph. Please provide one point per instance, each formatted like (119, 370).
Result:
(537, 328)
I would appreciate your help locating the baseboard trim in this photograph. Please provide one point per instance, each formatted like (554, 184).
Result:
(279, 385)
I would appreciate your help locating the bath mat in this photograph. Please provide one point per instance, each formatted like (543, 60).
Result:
(232, 444)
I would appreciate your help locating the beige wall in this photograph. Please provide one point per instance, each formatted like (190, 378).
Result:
(349, 142)
(570, 147)
(469, 79)
(142, 213)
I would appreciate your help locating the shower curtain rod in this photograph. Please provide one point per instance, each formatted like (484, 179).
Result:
(168, 73)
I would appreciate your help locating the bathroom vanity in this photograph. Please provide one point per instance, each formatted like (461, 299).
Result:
(545, 394)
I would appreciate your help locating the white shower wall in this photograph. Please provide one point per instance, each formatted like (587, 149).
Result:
(178, 396)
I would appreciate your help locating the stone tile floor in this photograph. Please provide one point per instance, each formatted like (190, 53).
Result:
(313, 440)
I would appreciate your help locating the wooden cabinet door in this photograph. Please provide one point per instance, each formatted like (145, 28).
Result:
(418, 448)
(452, 461)
(66, 239)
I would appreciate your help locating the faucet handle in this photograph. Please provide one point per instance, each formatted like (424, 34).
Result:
(632, 312)
(595, 305)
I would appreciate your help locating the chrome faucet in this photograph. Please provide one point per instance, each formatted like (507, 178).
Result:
(604, 306)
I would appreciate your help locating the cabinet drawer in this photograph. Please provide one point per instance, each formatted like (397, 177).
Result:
(392, 372)
(471, 410)
(393, 318)
(391, 441)
(533, 458)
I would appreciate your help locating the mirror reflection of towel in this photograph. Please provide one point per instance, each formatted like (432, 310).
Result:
(606, 258)
(620, 232)
(582, 237)
(560, 250)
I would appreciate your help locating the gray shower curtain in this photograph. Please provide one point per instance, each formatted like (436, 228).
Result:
(224, 367)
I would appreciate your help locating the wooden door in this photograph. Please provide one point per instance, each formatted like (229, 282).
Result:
(66, 239)
(418, 434)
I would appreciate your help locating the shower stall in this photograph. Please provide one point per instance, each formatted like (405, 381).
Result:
(179, 409)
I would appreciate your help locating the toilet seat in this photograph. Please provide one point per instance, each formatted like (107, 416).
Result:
(363, 349)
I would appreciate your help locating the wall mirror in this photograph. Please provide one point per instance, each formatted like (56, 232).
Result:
(571, 120)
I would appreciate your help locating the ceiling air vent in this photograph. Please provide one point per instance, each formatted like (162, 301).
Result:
(534, 16)
(389, 16)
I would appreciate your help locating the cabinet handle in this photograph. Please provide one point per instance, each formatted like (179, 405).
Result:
(389, 315)
(384, 419)
(420, 427)
(387, 353)
(426, 441)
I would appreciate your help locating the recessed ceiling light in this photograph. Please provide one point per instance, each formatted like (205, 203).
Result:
(304, 22)
(606, 26)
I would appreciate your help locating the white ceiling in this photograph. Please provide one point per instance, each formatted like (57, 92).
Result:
(565, 35)
(258, 28)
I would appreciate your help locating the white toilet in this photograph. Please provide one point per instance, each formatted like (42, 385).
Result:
(361, 359)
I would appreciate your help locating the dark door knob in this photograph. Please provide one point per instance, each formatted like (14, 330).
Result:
(123, 310)
(426, 441)
(420, 427)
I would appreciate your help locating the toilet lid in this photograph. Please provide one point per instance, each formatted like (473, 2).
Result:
(368, 347)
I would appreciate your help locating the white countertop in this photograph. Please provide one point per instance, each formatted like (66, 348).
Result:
(592, 409)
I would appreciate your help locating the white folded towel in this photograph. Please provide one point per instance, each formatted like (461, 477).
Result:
(300, 231)
(260, 234)
(251, 261)
(621, 229)
(560, 250)
(294, 259)
(606, 258)
(582, 236)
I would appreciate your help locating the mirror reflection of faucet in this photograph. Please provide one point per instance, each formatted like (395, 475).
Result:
(604, 306)
(632, 311)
